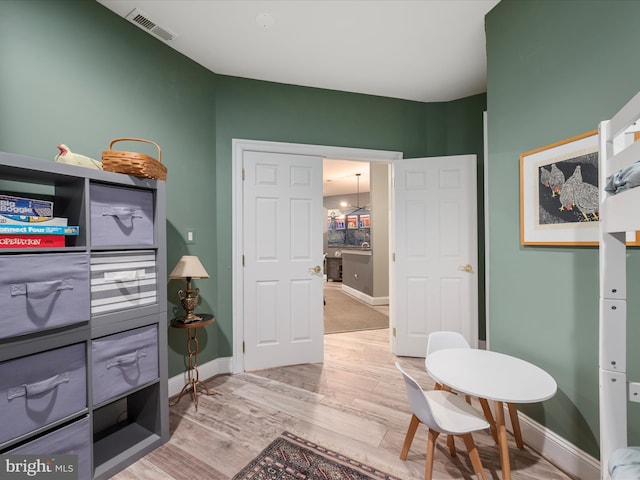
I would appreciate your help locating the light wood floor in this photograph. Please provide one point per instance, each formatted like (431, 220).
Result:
(354, 403)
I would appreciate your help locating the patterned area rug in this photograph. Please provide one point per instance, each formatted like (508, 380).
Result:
(290, 457)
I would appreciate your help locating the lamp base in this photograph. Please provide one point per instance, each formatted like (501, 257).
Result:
(189, 300)
(189, 318)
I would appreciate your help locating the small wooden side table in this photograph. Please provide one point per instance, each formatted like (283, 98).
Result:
(193, 377)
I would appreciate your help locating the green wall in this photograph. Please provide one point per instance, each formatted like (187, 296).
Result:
(555, 69)
(74, 72)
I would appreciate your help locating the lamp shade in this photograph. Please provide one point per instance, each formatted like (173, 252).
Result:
(189, 266)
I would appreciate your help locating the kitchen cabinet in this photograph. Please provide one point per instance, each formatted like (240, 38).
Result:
(333, 268)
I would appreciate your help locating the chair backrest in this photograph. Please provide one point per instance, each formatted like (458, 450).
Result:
(417, 400)
(445, 339)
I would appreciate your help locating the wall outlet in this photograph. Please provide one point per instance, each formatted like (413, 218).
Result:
(634, 392)
(190, 236)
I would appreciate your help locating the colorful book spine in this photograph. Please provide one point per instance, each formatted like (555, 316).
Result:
(31, 241)
(38, 230)
(25, 206)
(23, 219)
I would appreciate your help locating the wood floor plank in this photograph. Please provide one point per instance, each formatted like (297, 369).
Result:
(354, 403)
(316, 413)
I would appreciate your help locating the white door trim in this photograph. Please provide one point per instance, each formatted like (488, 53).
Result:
(487, 312)
(239, 146)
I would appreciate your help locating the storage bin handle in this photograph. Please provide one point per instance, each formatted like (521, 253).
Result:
(40, 289)
(122, 213)
(128, 359)
(38, 388)
(137, 140)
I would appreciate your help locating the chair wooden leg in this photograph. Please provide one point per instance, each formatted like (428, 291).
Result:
(474, 456)
(468, 399)
(431, 443)
(451, 443)
(515, 425)
(411, 431)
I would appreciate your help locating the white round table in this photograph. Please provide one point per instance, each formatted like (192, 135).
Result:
(492, 376)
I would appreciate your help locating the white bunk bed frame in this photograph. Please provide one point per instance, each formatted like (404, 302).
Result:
(618, 215)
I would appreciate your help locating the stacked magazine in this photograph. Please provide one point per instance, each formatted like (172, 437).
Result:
(29, 223)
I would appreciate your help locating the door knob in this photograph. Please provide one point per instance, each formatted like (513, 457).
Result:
(316, 269)
(465, 268)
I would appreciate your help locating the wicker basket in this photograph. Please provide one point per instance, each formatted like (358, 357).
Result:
(131, 163)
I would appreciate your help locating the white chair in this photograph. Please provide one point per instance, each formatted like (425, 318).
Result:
(448, 339)
(441, 412)
(445, 339)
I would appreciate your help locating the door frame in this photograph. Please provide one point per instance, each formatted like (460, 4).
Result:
(239, 146)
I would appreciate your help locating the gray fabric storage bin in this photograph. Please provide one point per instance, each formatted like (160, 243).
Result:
(121, 216)
(124, 361)
(72, 439)
(39, 389)
(122, 280)
(43, 291)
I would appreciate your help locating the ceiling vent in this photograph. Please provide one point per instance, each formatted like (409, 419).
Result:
(142, 20)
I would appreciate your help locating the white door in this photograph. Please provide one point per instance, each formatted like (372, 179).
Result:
(282, 221)
(435, 278)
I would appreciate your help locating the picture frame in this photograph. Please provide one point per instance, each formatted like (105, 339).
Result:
(559, 193)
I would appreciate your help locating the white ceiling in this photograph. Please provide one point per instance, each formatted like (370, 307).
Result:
(422, 50)
(339, 177)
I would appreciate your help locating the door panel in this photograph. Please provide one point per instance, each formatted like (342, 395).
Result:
(435, 218)
(282, 199)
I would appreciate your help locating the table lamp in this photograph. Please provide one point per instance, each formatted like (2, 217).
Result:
(189, 267)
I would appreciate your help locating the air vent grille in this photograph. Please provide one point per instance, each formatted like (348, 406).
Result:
(142, 20)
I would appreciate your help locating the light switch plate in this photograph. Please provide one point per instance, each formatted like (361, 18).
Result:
(190, 236)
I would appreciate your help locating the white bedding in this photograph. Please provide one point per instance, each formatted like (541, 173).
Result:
(624, 179)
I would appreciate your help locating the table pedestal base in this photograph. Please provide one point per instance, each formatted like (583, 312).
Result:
(193, 377)
(192, 387)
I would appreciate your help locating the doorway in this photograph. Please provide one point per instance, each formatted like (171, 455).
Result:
(411, 313)
(356, 204)
(240, 148)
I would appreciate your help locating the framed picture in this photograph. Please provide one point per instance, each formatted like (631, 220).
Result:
(559, 193)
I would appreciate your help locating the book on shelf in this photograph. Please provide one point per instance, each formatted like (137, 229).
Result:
(31, 241)
(30, 229)
(10, 205)
(24, 219)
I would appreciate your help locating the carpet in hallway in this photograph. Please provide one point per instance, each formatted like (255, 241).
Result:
(343, 313)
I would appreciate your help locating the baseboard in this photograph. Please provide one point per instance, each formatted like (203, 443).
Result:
(380, 301)
(363, 297)
(207, 370)
(563, 454)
